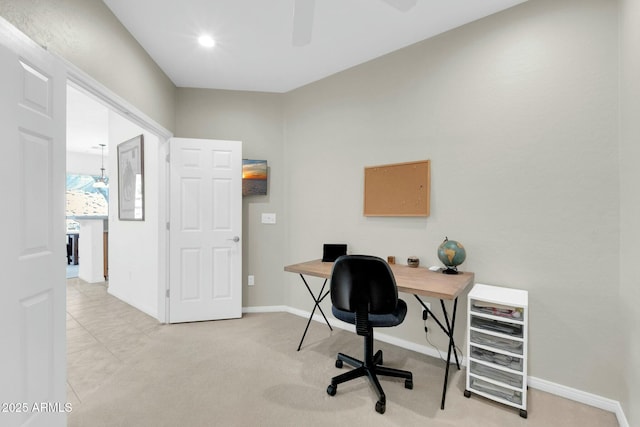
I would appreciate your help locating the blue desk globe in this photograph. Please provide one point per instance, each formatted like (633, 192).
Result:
(452, 254)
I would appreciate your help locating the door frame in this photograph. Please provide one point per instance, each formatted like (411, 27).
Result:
(83, 81)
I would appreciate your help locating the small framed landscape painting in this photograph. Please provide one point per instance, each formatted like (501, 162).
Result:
(254, 177)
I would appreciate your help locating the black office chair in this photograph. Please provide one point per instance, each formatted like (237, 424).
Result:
(364, 293)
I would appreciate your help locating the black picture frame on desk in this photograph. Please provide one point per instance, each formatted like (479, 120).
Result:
(131, 179)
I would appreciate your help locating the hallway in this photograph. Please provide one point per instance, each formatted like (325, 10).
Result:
(102, 333)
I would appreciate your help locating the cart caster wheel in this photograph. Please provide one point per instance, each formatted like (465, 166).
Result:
(380, 407)
(523, 413)
(331, 390)
(408, 384)
(467, 393)
(338, 363)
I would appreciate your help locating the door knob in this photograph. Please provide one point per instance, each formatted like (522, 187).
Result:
(235, 239)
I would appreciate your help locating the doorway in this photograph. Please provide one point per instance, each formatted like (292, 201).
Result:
(87, 186)
(34, 84)
(135, 248)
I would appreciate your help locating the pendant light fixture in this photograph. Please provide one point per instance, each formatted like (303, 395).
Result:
(101, 182)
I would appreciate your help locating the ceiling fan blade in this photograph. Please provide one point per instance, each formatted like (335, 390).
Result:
(401, 5)
(303, 22)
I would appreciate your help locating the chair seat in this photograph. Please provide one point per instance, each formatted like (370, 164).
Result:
(375, 320)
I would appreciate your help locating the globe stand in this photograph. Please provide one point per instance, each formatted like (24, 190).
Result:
(451, 254)
(450, 270)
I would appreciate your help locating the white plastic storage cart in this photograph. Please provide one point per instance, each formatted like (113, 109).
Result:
(497, 325)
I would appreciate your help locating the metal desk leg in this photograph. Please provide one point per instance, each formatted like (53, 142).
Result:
(451, 346)
(317, 300)
(448, 329)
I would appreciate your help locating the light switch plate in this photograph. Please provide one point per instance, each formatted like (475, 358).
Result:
(268, 218)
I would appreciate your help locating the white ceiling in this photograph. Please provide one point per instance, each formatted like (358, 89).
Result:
(254, 49)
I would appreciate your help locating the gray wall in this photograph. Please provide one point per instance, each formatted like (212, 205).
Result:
(255, 119)
(87, 34)
(629, 314)
(518, 113)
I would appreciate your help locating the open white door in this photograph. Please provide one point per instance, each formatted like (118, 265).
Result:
(32, 261)
(205, 235)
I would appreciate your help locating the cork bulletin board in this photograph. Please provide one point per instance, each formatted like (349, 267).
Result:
(400, 189)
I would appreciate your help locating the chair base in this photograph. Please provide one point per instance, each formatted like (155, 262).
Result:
(371, 369)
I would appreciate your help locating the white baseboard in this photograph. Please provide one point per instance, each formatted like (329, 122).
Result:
(267, 309)
(533, 382)
(132, 303)
(580, 396)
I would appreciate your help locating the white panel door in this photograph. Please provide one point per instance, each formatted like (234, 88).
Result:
(32, 261)
(205, 235)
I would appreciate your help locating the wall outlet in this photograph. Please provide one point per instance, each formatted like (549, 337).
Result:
(251, 280)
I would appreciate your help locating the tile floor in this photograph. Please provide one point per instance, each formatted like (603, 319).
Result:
(102, 332)
(72, 270)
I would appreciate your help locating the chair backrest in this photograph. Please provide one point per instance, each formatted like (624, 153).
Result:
(363, 281)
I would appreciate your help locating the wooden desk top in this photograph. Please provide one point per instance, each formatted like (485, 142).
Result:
(418, 281)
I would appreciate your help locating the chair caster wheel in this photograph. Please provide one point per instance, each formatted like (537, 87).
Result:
(467, 393)
(523, 413)
(408, 384)
(331, 390)
(338, 363)
(380, 407)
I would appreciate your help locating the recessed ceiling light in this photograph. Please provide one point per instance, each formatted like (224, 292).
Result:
(206, 41)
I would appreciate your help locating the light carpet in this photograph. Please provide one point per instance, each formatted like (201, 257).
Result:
(247, 372)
